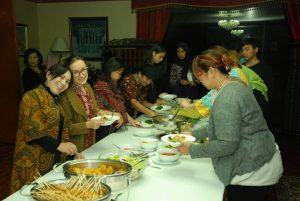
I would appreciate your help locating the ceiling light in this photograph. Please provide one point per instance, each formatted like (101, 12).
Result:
(237, 32)
(228, 23)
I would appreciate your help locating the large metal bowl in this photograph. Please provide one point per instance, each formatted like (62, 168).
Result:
(104, 187)
(166, 122)
(116, 181)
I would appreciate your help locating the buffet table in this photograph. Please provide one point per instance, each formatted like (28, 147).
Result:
(189, 180)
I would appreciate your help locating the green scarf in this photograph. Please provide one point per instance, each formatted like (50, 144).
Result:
(255, 81)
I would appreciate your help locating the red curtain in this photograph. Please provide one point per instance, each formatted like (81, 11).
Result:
(293, 16)
(146, 4)
(153, 16)
(152, 24)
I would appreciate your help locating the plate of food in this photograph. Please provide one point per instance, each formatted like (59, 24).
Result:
(160, 108)
(108, 119)
(147, 123)
(173, 139)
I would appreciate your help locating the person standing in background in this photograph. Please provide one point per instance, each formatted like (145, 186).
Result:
(155, 57)
(34, 73)
(181, 77)
(249, 50)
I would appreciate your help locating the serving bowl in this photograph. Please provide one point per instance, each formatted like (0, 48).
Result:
(167, 97)
(114, 173)
(137, 160)
(168, 155)
(166, 122)
(148, 143)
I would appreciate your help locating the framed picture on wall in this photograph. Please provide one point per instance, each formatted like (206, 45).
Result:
(22, 38)
(88, 35)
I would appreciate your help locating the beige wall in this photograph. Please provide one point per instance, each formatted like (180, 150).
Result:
(46, 21)
(53, 19)
(26, 13)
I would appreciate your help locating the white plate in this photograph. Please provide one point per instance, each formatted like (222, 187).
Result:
(143, 132)
(156, 160)
(163, 109)
(144, 123)
(147, 150)
(166, 139)
(110, 119)
(167, 96)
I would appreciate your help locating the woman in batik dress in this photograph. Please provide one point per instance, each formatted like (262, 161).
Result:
(42, 135)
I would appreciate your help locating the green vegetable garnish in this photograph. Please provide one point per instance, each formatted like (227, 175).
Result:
(149, 121)
(159, 107)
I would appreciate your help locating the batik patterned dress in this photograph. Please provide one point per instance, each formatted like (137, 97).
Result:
(39, 117)
(107, 99)
(131, 89)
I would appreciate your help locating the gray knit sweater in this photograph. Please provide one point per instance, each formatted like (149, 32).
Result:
(240, 141)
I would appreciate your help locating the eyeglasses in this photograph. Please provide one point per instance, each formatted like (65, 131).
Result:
(81, 72)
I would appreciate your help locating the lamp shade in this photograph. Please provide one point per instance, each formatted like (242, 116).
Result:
(60, 45)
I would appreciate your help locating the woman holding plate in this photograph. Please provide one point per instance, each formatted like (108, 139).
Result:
(80, 106)
(109, 96)
(243, 150)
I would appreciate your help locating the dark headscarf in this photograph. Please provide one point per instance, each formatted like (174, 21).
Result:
(186, 62)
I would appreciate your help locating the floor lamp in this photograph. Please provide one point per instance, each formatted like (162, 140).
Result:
(60, 46)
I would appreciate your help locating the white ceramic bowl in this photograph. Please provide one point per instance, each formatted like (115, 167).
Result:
(128, 148)
(168, 155)
(167, 96)
(143, 132)
(148, 143)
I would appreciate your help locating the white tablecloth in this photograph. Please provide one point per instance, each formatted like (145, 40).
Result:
(190, 180)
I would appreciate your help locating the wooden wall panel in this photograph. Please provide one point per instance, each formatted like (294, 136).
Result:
(9, 73)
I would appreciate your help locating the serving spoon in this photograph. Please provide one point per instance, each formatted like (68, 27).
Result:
(175, 113)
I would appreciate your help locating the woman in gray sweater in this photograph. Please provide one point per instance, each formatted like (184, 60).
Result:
(242, 148)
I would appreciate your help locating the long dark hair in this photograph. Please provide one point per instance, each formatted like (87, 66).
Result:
(157, 48)
(112, 64)
(30, 51)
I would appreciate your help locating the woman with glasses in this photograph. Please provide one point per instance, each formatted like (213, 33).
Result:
(80, 105)
(108, 95)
